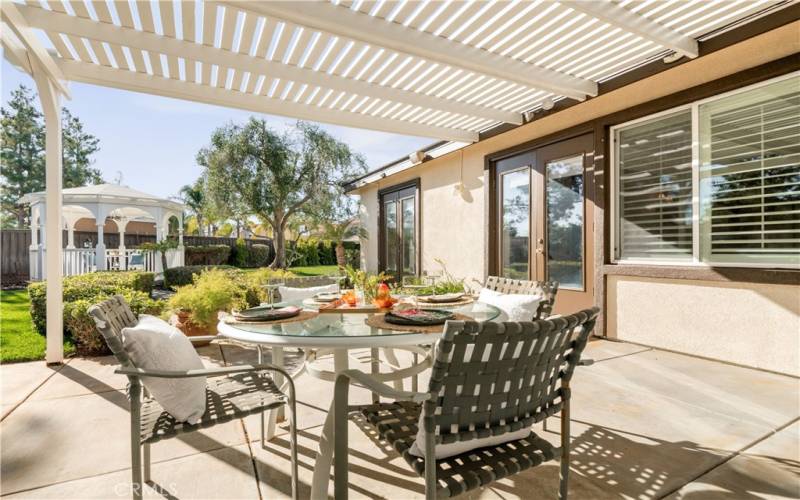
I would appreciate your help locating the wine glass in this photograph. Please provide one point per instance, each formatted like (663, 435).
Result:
(270, 287)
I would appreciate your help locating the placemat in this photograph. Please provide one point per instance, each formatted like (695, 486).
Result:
(377, 321)
(304, 315)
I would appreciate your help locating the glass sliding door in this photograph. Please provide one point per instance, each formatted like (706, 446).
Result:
(390, 225)
(515, 239)
(408, 240)
(543, 219)
(564, 193)
(399, 253)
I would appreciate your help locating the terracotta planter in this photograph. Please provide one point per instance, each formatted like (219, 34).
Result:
(190, 329)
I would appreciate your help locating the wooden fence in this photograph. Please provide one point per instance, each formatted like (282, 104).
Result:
(15, 244)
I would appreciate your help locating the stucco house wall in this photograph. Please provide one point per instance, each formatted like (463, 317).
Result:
(453, 228)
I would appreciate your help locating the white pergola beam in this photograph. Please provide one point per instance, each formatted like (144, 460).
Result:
(104, 32)
(329, 18)
(623, 18)
(13, 18)
(14, 52)
(142, 82)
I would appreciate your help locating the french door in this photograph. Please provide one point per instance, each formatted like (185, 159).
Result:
(543, 220)
(399, 224)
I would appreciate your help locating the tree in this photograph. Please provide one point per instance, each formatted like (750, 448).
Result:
(340, 231)
(193, 195)
(77, 148)
(22, 152)
(276, 176)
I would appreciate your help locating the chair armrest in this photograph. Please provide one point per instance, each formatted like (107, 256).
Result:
(205, 372)
(373, 385)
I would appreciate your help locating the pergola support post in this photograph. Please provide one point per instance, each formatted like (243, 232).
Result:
(51, 106)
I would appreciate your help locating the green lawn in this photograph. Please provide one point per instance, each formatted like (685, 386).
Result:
(18, 340)
(314, 270)
(307, 270)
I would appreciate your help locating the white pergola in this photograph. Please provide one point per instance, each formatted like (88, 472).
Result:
(100, 202)
(440, 69)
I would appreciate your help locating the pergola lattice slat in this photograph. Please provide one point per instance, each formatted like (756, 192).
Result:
(167, 87)
(356, 26)
(137, 41)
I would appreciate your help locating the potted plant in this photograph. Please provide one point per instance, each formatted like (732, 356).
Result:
(198, 305)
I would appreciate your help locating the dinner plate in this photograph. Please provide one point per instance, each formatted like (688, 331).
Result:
(445, 297)
(418, 317)
(266, 313)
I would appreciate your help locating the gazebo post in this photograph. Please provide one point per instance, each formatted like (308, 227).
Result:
(181, 249)
(122, 222)
(43, 245)
(100, 248)
(34, 259)
(51, 106)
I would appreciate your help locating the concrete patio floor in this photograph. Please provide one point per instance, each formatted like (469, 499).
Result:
(646, 424)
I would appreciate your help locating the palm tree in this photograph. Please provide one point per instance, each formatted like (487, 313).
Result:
(343, 230)
(194, 197)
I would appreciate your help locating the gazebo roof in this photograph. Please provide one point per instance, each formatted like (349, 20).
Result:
(114, 194)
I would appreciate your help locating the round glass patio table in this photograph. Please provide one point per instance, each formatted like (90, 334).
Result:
(336, 333)
(346, 330)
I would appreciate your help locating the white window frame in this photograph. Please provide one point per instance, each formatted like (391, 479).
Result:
(696, 236)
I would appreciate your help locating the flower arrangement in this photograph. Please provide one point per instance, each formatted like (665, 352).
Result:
(370, 284)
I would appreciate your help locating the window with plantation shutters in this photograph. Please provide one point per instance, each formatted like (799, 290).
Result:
(715, 182)
(750, 176)
(654, 187)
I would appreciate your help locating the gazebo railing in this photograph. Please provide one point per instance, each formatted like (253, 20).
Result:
(84, 260)
(78, 261)
(131, 259)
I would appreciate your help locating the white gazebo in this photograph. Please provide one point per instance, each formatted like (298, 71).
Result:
(103, 202)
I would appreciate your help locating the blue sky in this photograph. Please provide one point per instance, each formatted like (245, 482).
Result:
(153, 140)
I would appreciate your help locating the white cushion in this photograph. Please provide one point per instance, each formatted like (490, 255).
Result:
(290, 294)
(459, 447)
(513, 307)
(154, 344)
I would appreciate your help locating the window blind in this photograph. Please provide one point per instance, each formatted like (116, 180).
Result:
(750, 175)
(654, 165)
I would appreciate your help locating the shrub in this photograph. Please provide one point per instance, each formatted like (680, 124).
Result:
(213, 290)
(93, 286)
(81, 328)
(211, 255)
(259, 255)
(183, 275)
(241, 254)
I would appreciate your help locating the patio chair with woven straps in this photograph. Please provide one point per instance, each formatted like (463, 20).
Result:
(231, 393)
(488, 379)
(547, 289)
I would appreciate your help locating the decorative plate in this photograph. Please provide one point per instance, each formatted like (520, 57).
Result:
(443, 298)
(266, 313)
(418, 317)
(327, 296)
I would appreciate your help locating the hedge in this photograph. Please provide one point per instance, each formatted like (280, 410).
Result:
(183, 275)
(212, 255)
(81, 291)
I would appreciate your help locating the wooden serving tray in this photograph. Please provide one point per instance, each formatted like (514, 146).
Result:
(333, 308)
